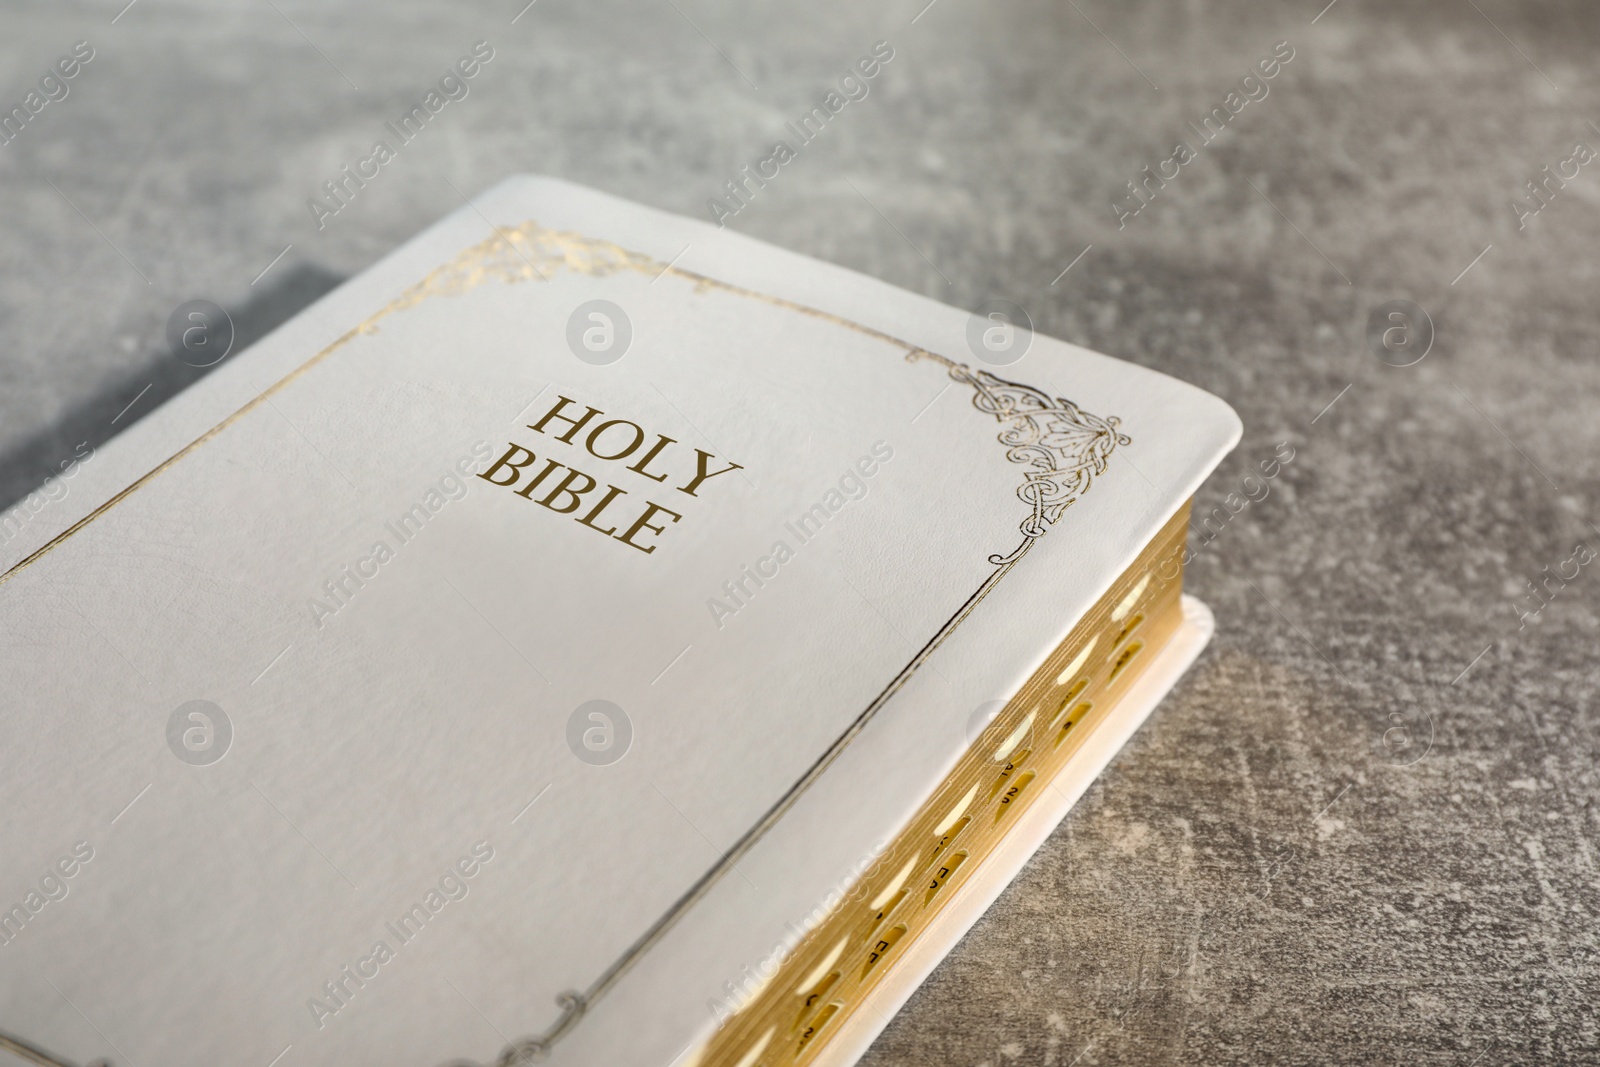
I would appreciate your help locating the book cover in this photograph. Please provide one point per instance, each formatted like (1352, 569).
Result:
(536, 641)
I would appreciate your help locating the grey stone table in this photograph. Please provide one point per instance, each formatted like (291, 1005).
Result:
(1363, 829)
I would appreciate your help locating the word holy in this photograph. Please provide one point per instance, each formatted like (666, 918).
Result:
(852, 487)
(339, 990)
(53, 88)
(1540, 191)
(811, 126)
(1581, 557)
(452, 86)
(613, 440)
(1252, 87)
(351, 579)
(52, 887)
(54, 488)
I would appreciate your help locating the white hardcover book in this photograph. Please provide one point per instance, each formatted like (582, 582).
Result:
(588, 635)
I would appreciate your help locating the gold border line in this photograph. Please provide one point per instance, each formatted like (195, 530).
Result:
(127, 490)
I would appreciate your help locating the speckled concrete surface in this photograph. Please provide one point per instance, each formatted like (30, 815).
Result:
(1362, 830)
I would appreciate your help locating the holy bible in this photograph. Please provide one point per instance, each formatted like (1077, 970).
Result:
(588, 636)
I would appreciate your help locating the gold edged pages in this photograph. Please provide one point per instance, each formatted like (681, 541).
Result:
(1015, 758)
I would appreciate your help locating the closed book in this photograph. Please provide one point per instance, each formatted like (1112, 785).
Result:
(587, 636)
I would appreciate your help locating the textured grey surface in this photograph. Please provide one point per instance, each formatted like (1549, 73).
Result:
(1269, 872)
